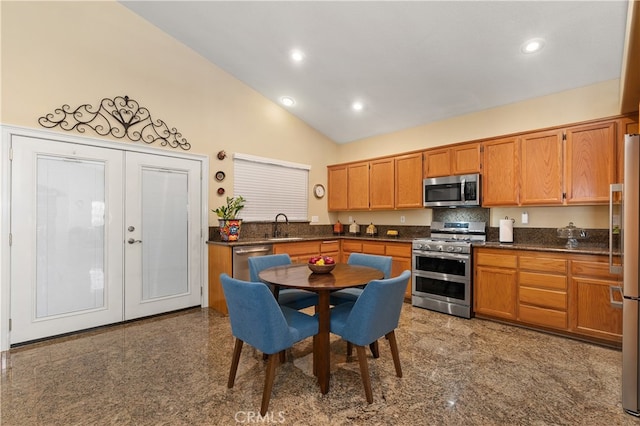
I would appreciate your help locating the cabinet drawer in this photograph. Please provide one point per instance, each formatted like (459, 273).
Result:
(544, 317)
(352, 246)
(294, 249)
(544, 298)
(332, 246)
(398, 250)
(373, 248)
(496, 259)
(592, 269)
(544, 264)
(533, 279)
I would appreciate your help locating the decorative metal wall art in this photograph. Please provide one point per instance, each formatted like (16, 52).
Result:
(118, 117)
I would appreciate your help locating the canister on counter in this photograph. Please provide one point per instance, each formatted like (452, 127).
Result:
(338, 229)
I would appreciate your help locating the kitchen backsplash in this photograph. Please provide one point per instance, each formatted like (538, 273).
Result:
(539, 236)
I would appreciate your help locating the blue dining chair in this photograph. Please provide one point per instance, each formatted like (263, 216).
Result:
(375, 314)
(257, 319)
(382, 263)
(351, 294)
(289, 297)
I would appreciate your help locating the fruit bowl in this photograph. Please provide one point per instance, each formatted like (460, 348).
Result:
(321, 269)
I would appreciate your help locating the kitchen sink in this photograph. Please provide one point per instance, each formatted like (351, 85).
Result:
(284, 238)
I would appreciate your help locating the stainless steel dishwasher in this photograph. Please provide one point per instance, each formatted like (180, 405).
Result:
(241, 257)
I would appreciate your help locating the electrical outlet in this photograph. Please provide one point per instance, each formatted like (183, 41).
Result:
(350, 219)
(314, 219)
(525, 218)
(401, 219)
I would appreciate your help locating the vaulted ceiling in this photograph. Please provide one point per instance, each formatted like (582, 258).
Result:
(407, 63)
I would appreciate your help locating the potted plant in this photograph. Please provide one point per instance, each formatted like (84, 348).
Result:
(228, 218)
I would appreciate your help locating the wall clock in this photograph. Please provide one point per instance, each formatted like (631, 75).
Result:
(318, 191)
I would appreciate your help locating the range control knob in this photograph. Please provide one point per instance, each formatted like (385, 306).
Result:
(451, 248)
(439, 247)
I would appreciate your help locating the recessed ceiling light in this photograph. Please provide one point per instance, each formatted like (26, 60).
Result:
(533, 45)
(357, 105)
(297, 55)
(287, 101)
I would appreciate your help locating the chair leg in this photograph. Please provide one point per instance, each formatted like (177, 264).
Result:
(315, 361)
(375, 351)
(268, 383)
(391, 336)
(364, 372)
(283, 356)
(235, 359)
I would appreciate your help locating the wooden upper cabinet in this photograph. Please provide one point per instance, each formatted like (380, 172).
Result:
(381, 183)
(408, 181)
(590, 153)
(358, 186)
(465, 159)
(541, 168)
(337, 191)
(500, 172)
(437, 162)
(457, 160)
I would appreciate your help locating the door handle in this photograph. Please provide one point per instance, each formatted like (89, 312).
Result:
(132, 241)
(614, 188)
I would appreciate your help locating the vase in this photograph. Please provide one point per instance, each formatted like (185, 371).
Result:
(230, 229)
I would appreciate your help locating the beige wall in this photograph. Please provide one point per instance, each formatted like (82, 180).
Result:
(56, 53)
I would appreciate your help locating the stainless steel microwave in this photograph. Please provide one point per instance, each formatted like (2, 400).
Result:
(452, 191)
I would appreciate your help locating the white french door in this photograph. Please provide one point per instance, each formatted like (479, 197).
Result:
(74, 209)
(162, 236)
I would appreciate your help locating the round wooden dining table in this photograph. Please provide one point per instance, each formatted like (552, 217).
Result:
(300, 276)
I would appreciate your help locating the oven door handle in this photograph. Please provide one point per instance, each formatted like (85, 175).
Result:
(443, 255)
(462, 188)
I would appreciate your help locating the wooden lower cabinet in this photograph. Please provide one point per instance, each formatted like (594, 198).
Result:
(564, 292)
(495, 284)
(220, 260)
(594, 315)
(542, 291)
(301, 251)
(399, 252)
(330, 248)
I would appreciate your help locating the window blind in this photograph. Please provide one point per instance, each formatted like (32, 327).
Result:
(270, 187)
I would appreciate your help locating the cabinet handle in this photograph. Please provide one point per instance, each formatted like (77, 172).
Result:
(615, 303)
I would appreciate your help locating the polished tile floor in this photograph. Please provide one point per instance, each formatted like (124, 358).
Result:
(172, 370)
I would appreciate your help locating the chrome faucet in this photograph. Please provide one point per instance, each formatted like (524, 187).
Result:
(276, 232)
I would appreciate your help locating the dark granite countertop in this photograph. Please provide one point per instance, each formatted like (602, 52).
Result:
(584, 248)
(260, 241)
(581, 249)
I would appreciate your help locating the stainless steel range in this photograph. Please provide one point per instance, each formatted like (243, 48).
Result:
(441, 264)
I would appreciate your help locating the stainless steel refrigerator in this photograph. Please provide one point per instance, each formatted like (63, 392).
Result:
(629, 237)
